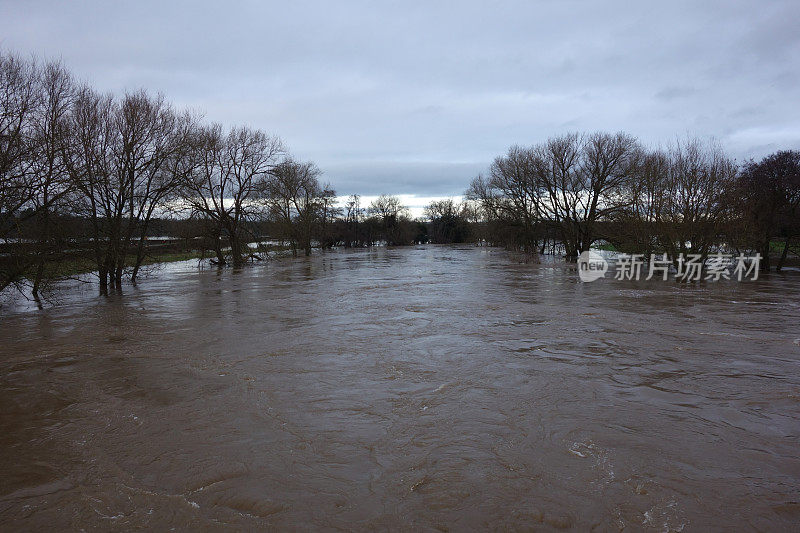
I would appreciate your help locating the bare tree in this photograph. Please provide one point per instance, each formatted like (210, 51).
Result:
(50, 177)
(584, 178)
(634, 227)
(121, 157)
(229, 177)
(159, 161)
(570, 183)
(768, 195)
(511, 199)
(448, 222)
(297, 202)
(694, 210)
(88, 157)
(387, 207)
(19, 101)
(392, 219)
(354, 215)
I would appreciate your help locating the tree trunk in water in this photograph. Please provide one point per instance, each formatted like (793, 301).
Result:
(783, 254)
(218, 251)
(45, 237)
(571, 250)
(118, 277)
(103, 274)
(37, 281)
(765, 256)
(236, 251)
(139, 260)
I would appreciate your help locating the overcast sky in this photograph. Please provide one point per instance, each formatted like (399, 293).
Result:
(416, 98)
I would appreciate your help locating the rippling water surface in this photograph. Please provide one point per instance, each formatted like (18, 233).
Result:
(429, 388)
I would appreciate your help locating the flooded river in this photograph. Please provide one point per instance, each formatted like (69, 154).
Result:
(433, 388)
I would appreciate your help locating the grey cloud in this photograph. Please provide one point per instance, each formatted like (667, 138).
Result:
(416, 97)
(672, 93)
(400, 177)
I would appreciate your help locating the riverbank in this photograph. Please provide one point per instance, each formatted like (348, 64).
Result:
(65, 266)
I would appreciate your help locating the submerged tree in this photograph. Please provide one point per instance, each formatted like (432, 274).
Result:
(583, 179)
(769, 196)
(88, 161)
(633, 228)
(229, 176)
(351, 234)
(149, 138)
(570, 183)
(19, 100)
(695, 207)
(121, 160)
(299, 205)
(391, 218)
(448, 222)
(510, 200)
(50, 177)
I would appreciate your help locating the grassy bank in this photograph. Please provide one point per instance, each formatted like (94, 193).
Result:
(75, 266)
(775, 247)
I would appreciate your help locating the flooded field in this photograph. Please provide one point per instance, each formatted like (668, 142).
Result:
(431, 389)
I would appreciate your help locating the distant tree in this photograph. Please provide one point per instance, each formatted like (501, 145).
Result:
(472, 213)
(447, 222)
(298, 203)
(391, 216)
(353, 218)
(330, 212)
(420, 230)
(387, 208)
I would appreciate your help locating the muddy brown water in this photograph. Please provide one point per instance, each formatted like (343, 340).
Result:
(428, 388)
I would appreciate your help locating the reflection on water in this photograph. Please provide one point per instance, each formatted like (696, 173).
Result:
(430, 388)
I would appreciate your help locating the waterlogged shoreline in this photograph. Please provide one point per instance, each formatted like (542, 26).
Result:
(433, 387)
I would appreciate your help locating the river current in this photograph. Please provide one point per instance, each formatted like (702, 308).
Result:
(429, 388)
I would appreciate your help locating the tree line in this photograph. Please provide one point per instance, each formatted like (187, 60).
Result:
(576, 191)
(83, 173)
(83, 169)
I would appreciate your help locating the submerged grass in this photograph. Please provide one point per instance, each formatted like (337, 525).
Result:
(75, 266)
(68, 267)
